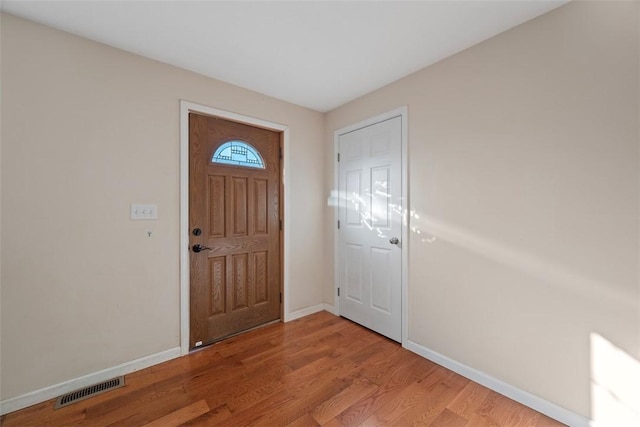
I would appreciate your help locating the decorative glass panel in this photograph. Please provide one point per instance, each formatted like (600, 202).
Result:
(238, 153)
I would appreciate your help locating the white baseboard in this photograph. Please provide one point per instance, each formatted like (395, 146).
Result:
(541, 405)
(51, 392)
(532, 401)
(303, 312)
(330, 308)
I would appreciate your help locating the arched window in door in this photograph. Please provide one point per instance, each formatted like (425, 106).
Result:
(238, 153)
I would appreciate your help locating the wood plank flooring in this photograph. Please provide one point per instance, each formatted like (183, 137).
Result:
(318, 370)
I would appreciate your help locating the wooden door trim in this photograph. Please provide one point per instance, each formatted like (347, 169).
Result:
(398, 112)
(187, 107)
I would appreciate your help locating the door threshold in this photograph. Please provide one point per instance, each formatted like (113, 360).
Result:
(219, 340)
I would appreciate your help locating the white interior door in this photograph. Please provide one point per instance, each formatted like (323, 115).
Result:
(370, 215)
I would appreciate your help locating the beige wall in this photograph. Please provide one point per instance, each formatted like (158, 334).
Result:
(524, 166)
(87, 130)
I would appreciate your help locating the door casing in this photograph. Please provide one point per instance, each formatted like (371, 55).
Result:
(398, 112)
(187, 107)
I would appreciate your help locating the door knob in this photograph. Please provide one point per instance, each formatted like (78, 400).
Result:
(199, 248)
(394, 240)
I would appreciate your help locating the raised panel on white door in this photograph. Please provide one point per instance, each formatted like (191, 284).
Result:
(380, 143)
(353, 270)
(354, 150)
(354, 197)
(380, 197)
(381, 282)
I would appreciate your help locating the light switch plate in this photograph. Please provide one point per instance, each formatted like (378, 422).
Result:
(144, 211)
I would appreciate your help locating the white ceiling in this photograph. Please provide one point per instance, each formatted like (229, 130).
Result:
(318, 54)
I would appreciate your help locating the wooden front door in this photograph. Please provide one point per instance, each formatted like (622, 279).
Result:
(234, 226)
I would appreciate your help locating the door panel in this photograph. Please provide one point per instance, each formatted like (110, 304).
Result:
(261, 276)
(261, 207)
(240, 291)
(380, 209)
(218, 272)
(235, 281)
(239, 212)
(216, 206)
(369, 266)
(380, 280)
(353, 267)
(354, 188)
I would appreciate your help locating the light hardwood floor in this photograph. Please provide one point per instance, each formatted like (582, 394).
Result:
(318, 370)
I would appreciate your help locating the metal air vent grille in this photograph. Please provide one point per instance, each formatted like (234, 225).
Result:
(92, 390)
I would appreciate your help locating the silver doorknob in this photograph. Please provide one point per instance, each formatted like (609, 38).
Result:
(394, 240)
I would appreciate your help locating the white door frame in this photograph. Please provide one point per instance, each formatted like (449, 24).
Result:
(187, 107)
(398, 112)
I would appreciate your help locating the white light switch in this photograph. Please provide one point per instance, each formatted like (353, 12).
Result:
(144, 211)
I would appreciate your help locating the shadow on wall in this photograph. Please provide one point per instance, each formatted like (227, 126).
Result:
(615, 385)
(429, 230)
